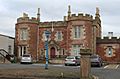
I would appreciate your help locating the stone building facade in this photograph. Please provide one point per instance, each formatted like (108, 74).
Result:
(66, 38)
(109, 48)
(26, 36)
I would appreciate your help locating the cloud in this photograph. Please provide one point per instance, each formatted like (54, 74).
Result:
(56, 9)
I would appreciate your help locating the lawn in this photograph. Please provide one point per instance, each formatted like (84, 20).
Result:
(39, 73)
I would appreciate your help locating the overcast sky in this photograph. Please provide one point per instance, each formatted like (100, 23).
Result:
(10, 10)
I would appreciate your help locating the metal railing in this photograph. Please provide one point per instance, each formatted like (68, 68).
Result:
(5, 54)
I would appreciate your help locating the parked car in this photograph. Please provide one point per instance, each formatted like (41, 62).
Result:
(26, 58)
(96, 60)
(72, 60)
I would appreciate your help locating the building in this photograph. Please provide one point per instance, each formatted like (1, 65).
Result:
(6, 48)
(109, 48)
(7, 43)
(67, 36)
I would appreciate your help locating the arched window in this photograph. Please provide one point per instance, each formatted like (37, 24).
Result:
(109, 51)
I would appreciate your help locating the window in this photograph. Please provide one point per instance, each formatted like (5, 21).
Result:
(22, 50)
(109, 51)
(77, 31)
(23, 34)
(45, 38)
(63, 51)
(9, 49)
(76, 49)
(58, 36)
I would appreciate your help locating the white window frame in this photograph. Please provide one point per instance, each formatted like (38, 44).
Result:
(44, 36)
(77, 31)
(22, 50)
(109, 51)
(76, 49)
(59, 35)
(23, 34)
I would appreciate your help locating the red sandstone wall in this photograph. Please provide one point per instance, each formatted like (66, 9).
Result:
(101, 50)
(31, 42)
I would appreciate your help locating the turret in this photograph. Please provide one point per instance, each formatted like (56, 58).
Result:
(66, 18)
(26, 19)
(97, 12)
(97, 22)
(69, 11)
(38, 14)
(97, 15)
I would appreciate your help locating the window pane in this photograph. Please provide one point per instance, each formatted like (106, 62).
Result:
(59, 35)
(77, 31)
(75, 49)
(23, 34)
(9, 49)
(24, 49)
(109, 51)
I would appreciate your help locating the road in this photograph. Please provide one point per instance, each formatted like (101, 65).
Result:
(111, 71)
(106, 72)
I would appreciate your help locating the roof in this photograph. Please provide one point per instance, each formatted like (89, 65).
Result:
(7, 36)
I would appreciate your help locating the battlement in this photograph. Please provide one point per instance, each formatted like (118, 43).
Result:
(108, 40)
(81, 16)
(54, 23)
(25, 18)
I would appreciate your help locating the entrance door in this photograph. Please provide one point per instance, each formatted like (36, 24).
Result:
(52, 52)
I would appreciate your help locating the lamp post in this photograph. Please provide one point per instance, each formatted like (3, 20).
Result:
(47, 34)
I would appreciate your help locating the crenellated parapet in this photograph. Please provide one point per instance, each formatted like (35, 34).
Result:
(108, 40)
(54, 23)
(25, 19)
(80, 16)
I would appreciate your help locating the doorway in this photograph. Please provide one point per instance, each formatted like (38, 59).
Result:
(52, 52)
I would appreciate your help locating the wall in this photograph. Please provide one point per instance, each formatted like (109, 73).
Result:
(103, 44)
(32, 41)
(5, 42)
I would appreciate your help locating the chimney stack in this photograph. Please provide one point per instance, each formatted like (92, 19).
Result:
(110, 35)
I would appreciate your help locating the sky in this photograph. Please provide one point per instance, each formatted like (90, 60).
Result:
(52, 10)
